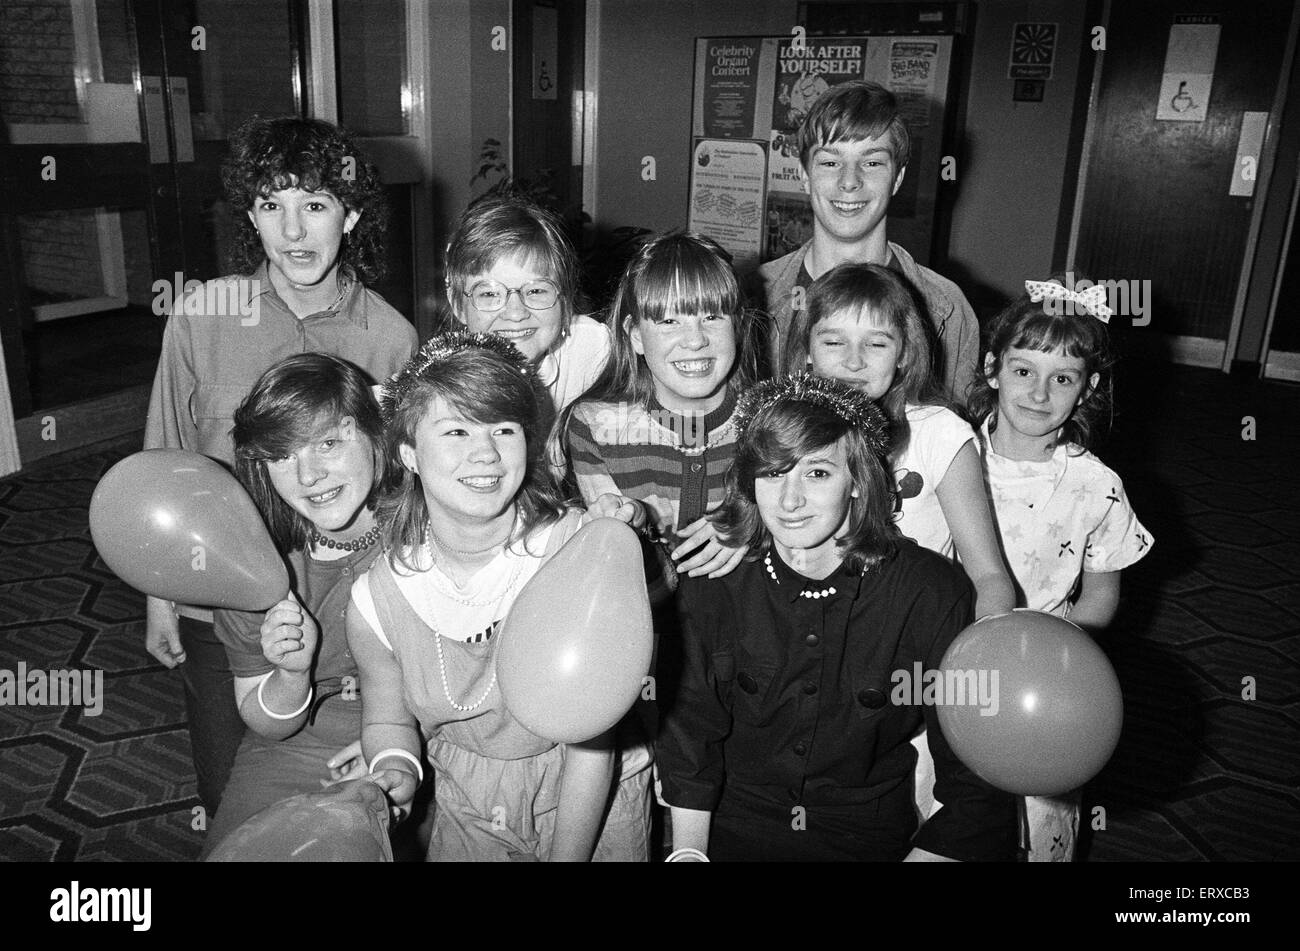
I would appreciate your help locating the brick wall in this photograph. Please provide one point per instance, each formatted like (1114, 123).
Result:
(61, 255)
(37, 62)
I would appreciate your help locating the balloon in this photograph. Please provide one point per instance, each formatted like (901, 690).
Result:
(348, 823)
(577, 643)
(176, 525)
(1058, 704)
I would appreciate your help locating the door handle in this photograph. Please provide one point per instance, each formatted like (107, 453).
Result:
(178, 88)
(155, 120)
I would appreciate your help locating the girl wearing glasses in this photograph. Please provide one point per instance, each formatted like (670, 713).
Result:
(512, 273)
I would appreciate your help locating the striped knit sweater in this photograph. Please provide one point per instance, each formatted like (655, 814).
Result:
(637, 452)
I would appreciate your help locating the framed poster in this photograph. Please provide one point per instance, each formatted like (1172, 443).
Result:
(727, 178)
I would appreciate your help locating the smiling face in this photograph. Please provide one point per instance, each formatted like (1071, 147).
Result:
(534, 332)
(328, 478)
(858, 348)
(301, 232)
(1037, 392)
(469, 471)
(689, 356)
(807, 507)
(850, 185)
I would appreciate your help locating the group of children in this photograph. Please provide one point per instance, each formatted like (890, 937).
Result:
(807, 535)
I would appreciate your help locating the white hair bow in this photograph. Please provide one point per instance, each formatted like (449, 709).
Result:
(1092, 300)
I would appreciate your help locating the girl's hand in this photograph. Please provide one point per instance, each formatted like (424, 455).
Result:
(400, 786)
(348, 763)
(710, 557)
(162, 632)
(289, 636)
(622, 508)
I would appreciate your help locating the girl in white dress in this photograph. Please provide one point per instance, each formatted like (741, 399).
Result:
(1066, 525)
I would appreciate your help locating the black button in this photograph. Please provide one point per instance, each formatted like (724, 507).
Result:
(872, 699)
(809, 687)
(794, 794)
(812, 640)
(695, 467)
(800, 749)
(747, 683)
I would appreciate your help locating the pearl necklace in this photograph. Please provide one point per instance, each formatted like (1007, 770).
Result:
(446, 688)
(356, 544)
(437, 543)
(824, 593)
(469, 602)
(437, 637)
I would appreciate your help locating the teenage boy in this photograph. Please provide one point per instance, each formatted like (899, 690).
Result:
(310, 219)
(853, 149)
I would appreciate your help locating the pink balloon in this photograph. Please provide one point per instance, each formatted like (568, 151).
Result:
(1059, 708)
(577, 644)
(176, 525)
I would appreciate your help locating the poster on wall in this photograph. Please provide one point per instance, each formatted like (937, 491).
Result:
(727, 178)
(913, 65)
(804, 70)
(789, 221)
(915, 69)
(729, 81)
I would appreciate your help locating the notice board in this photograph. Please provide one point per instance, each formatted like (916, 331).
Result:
(751, 94)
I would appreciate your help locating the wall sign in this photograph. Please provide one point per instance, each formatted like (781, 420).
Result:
(1189, 69)
(1033, 51)
(546, 51)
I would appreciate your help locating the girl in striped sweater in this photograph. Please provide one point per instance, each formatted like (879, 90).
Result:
(655, 433)
(652, 440)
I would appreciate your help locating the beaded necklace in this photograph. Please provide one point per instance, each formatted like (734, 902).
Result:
(360, 543)
(824, 593)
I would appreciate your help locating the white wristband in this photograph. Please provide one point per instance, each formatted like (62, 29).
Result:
(404, 754)
(681, 855)
(261, 702)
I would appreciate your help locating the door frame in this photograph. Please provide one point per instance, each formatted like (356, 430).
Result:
(401, 159)
(1184, 349)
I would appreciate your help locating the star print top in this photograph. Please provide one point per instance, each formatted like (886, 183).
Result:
(1059, 518)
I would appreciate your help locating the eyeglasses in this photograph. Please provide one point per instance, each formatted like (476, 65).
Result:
(489, 296)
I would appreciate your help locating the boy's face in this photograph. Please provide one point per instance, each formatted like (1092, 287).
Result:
(301, 232)
(850, 184)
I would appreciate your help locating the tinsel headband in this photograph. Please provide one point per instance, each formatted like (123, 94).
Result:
(438, 350)
(851, 405)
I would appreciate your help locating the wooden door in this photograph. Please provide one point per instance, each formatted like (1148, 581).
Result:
(1156, 204)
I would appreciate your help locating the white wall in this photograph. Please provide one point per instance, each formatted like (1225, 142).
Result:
(647, 65)
(1011, 170)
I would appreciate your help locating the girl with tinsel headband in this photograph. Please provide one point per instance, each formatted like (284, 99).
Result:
(475, 516)
(785, 742)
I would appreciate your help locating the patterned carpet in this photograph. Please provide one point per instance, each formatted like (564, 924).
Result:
(1200, 774)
